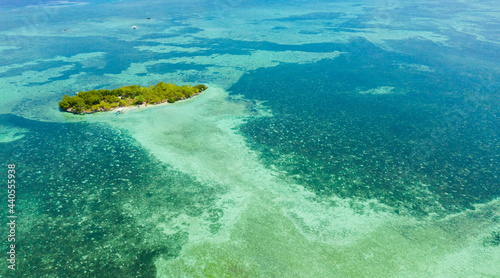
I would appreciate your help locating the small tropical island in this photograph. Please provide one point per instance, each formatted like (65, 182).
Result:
(106, 100)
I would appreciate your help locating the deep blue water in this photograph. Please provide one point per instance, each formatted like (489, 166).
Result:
(390, 144)
(430, 148)
(76, 178)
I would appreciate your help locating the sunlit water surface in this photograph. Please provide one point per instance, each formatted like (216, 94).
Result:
(335, 139)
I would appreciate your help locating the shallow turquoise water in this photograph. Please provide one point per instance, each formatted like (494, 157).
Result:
(336, 139)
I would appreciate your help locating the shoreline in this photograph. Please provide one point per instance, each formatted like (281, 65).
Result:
(133, 107)
(130, 107)
(126, 109)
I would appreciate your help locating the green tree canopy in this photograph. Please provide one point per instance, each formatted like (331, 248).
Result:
(105, 100)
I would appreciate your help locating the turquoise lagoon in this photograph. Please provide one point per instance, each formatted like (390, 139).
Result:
(336, 139)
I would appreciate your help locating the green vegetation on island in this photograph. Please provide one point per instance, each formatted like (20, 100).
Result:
(106, 100)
